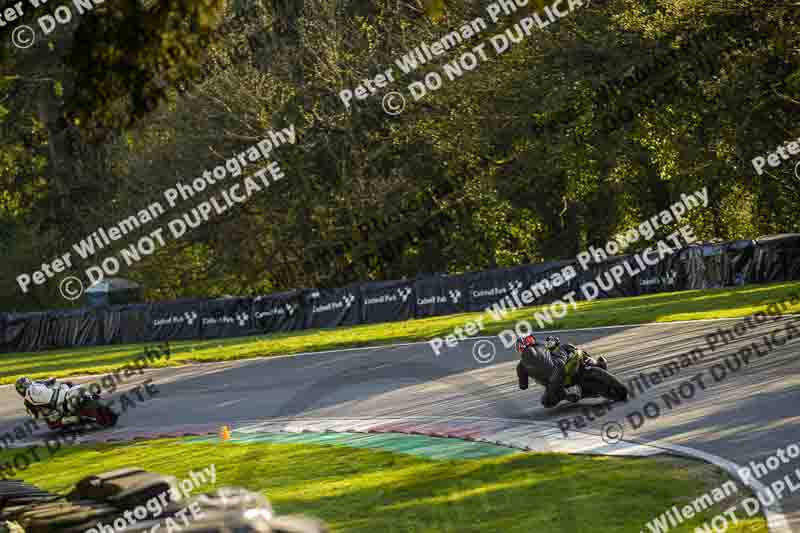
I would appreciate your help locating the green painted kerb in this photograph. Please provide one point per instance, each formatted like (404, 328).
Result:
(418, 445)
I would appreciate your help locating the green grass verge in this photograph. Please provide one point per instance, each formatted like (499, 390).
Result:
(663, 307)
(357, 490)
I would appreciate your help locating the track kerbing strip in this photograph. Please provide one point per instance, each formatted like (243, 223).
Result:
(511, 433)
(520, 434)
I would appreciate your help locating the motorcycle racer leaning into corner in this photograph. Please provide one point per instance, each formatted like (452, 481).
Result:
(49, 398)
(545, 364)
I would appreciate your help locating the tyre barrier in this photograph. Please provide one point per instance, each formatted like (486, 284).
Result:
(97, 504)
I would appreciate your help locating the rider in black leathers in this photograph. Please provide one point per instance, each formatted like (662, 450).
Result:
(545, 364)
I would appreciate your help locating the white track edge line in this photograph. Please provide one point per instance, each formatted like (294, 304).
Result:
(776, 521)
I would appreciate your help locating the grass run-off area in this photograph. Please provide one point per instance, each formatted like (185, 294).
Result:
(662, 307)
(359, 490)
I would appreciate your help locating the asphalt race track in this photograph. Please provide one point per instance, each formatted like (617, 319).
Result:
(744, 416)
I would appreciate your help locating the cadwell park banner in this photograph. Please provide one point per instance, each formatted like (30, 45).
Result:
(766, 260)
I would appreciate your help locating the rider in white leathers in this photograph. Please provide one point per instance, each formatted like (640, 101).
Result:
(49, 397)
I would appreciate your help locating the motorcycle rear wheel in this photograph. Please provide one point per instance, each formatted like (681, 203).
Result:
(597, 381)
(103, 415)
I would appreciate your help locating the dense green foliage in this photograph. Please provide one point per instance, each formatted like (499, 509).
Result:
(569, 137)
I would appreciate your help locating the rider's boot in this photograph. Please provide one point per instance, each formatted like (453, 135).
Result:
(522, 376)
(602, 362)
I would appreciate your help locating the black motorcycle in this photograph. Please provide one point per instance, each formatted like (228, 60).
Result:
(583, 378)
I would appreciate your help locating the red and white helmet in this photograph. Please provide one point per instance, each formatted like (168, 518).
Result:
(523, 342)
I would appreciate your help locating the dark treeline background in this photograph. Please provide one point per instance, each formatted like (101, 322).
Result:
(522, 160)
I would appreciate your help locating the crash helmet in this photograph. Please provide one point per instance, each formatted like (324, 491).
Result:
(523, 343)
(22, 385)
(551, 342)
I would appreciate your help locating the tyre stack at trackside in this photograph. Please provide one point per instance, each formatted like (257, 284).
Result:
(100, 503)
